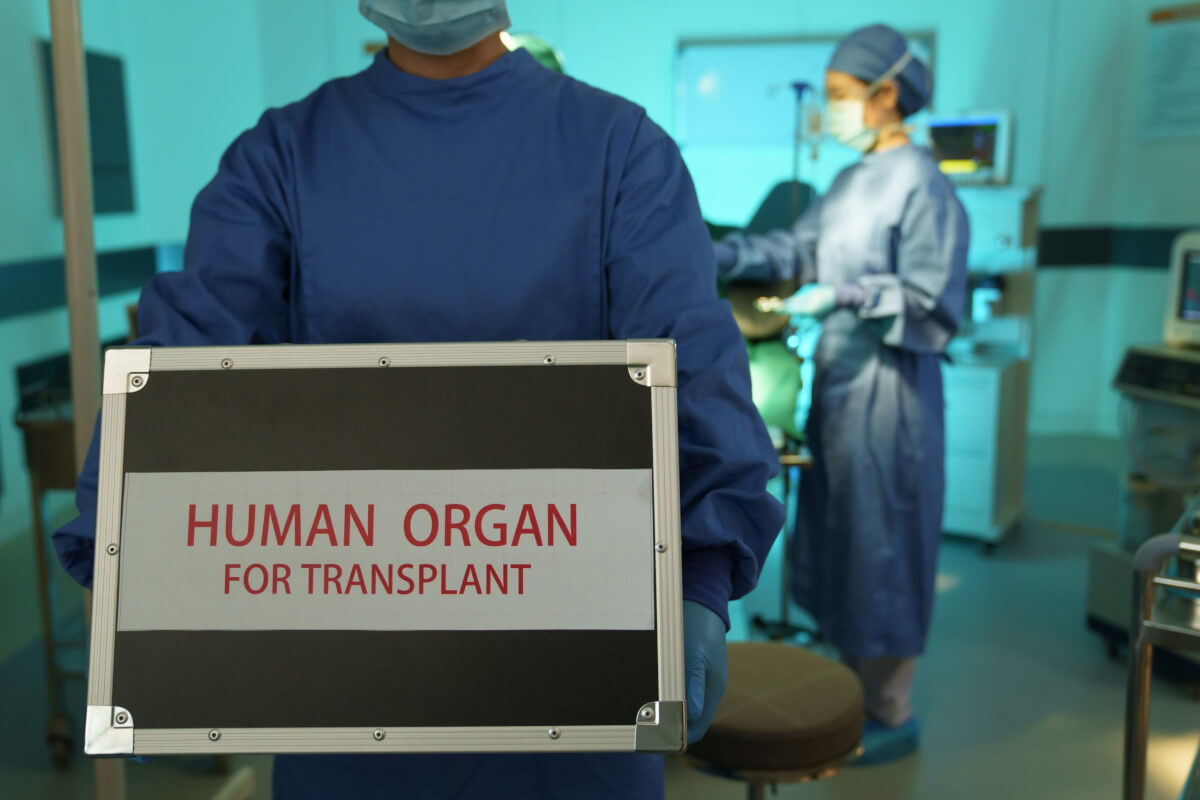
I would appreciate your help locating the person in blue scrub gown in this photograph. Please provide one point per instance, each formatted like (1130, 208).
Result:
(456, 191)
(882, 259)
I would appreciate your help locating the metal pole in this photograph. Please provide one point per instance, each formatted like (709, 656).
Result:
(79, 257)
(75, 160)
(799, 129)
(1137, 693)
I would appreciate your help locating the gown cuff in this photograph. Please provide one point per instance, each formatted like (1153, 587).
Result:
(708, 579)
(76, 551)
(884, 297)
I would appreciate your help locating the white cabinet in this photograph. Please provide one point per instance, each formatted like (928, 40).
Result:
(1004, 227)
(985, 445)
(987, 385)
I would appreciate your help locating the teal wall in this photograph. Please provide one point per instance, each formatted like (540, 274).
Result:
(1098, 171)
(1070, 69)
(1072, 72)
(629, 47)
(306, 42)
(193, 81)
(195, 78)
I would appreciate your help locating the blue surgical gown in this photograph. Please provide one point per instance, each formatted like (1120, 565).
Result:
(514, 203)
(870, 512)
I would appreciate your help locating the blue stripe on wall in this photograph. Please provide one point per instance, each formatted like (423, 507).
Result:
(29, 286)
(1106, 246)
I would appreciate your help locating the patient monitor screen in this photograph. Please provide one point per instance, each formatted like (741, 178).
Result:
(965, 146)
(1189, 290)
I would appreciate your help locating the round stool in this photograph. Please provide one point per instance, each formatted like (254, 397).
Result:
(788, 716)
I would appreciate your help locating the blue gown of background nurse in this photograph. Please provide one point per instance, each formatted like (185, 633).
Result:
(884, 256)
(512, 203)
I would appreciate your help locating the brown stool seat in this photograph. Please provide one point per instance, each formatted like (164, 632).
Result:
(785, 710)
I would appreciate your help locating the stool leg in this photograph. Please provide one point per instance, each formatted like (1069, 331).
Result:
(787, 533)
(1137, 692)
(755, 791)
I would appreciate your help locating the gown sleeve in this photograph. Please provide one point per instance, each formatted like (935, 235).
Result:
(233, 290)
(661, 284)
(778, 255)
(918, 306)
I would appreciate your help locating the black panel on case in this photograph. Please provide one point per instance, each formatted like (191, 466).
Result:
(235, 679)
(564, 417)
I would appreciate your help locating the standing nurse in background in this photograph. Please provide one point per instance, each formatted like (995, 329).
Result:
(883, 263)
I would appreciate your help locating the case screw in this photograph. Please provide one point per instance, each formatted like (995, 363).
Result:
(660, 547)
(639, 374)
(226, 363)
(379, 734)
(122, 718)
(213, 735)
(553, 733)
(385, 361)
(111, 549)
(646, 714)
(548, 360)
(136, 381)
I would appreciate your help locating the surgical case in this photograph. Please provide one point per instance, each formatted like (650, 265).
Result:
(388, 548)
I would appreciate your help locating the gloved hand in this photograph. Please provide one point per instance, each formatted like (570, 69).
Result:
(815, 301)
(706, 665)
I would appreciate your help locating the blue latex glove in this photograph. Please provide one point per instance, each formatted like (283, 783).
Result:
(706, 665)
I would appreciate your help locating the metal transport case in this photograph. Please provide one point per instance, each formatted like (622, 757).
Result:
(388, 548)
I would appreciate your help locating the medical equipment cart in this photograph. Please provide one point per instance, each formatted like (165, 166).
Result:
(1166, 613)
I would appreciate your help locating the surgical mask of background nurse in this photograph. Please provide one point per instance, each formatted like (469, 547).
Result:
(865, 116)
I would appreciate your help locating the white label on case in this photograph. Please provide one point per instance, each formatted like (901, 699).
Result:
(388, 550)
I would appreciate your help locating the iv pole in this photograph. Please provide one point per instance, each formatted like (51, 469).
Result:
(799, 88)
(783, 629)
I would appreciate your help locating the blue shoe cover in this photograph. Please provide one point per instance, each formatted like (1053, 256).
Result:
(882, 744)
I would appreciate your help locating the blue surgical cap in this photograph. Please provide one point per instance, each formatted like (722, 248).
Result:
(870, 52)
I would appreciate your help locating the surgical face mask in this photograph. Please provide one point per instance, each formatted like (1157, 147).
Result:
(844, 122)
(844, 119)
(437, 27)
